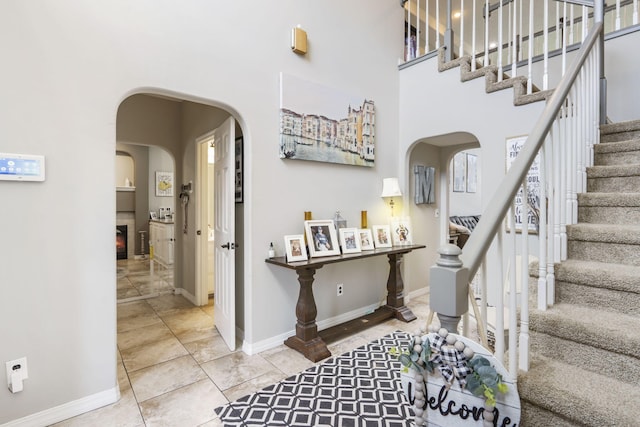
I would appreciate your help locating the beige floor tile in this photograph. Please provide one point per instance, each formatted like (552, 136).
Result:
(213, 423)
(345, 345)
(191, 325)
(151, 354)
(137, 322)
(159, 379)
(124, 293)
(134, 309)
(167, 305)
(289, 361)
(236, 368)
(191, 405)
(135, 337)
(124, 412)
(207, 349)
(254, 384)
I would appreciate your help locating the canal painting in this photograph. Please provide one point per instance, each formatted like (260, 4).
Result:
(325, 125)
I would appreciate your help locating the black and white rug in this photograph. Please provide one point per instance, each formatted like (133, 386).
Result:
(359, 388)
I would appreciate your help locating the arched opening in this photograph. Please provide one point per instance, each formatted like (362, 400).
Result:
(431, 220)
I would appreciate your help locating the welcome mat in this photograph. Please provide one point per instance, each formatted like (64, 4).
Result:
(359, 388)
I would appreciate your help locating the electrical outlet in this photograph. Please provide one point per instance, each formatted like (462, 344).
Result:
(340, 289)
(18, 365)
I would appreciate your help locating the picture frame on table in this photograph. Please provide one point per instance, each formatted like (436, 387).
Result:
(322, 238)
(382, 236)
(401, 231)
(349, 240)
(295, 248)
(153, 215)
(366, 239)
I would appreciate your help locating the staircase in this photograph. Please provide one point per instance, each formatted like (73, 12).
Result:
(585, 349)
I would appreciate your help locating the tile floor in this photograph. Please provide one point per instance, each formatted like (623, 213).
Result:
(174, 368)
(135, 280)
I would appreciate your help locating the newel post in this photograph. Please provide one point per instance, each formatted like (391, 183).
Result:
(449, 282)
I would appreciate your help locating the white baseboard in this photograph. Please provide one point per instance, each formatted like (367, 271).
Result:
(187, 295)
(67, 410)
(418, 293)
(277, 340)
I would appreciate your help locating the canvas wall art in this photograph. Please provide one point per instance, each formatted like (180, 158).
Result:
(323, 124)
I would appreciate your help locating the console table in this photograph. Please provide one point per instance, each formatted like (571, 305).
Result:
(312, 343)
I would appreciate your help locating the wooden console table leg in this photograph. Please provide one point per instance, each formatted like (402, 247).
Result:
(395, 290)
(306, 339)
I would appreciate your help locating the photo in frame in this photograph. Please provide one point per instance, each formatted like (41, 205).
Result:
(164, 184)
(322, 237)
(153, 215)
(401, 231)
(366, 239)
(382, 236)
(295, 248)
(349, 240)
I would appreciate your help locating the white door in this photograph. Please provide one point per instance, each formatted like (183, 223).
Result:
(224, 232)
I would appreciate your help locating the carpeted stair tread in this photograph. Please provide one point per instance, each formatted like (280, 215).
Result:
(615, 332)
(620, 367)
(617, 146)
(620, 277)
(609, 199)
(583, 397)
(490, 73)
(626, 126)
(605, 233)
(610, 171)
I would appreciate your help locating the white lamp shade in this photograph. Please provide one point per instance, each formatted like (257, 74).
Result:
(390, 187)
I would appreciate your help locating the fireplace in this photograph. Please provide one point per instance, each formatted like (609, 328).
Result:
(121, 242)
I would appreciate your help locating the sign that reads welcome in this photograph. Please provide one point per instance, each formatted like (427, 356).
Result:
(450, 406)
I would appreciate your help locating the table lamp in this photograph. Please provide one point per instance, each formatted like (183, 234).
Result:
(390, 189)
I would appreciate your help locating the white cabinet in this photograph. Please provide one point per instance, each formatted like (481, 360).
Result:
(161, 236)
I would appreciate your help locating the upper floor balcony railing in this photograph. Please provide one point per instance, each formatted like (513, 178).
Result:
(511, 34)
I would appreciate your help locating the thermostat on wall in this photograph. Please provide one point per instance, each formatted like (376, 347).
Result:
(21, 167)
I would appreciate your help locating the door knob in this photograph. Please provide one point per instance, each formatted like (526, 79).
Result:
(228, 245)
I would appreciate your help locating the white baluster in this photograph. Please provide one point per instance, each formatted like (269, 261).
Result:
(514, 44)
(437, 24)
(635, 12)
(473, 36)
(530, 52)
(499, 348)
(461, 28)
(500, 26)
(426, 13)
(545, 36)
(523, 350)
(513, 289)
(418, 28)
(486, 33)
(542, 230)
(617, 15)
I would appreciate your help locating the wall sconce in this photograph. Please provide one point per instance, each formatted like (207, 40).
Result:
(298, 40)
(391, 189)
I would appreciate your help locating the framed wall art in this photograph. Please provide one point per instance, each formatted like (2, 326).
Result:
(472, 173)
(164, 184)
(295, 248)
(322, 238)
(382, 236)
(525, 210)
(459, 173)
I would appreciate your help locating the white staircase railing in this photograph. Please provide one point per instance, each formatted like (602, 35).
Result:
(561, 143)
(511, 34)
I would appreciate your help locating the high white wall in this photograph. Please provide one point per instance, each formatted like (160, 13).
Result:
(67, 67)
